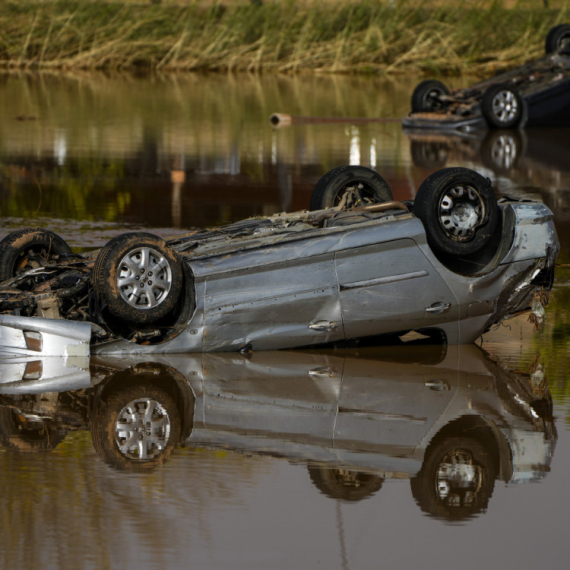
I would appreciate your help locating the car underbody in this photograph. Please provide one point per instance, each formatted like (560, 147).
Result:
(542, 86)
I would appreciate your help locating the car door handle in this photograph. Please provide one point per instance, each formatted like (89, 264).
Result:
(438, 308)
(323, 326)
(325, 372)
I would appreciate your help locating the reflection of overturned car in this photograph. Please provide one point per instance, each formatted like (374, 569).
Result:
(451, 264)
(451, 420)
(537, 93)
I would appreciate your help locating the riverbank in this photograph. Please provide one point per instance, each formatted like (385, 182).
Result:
(339, 37)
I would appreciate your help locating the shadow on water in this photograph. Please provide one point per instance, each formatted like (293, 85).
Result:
(452, 421)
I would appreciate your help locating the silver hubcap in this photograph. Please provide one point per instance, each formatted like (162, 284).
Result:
(144, 278)
(504, 151)
(505, 106)
(461, 210)
(458, 480)
(142, 429)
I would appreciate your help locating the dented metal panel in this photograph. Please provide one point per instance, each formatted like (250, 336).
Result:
(391, 286)
(276, 306)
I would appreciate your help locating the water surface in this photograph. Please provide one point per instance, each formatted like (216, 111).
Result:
(275, 467)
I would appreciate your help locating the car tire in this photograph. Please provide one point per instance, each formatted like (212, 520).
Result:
(330, 189)
(345, 484)
(18, 250)
(425, 97)
(138, 278)
(502, 106)
(458, 209)
(555, 37)
(437, 496)
(137, 427)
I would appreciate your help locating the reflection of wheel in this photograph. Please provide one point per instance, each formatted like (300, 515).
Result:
(430, 155)
(344, 484)
(27, 436)
(29, 248)
(137, 427)
(138, 277)
(363, 186)
(458, 209)
(501, 150)
(426, 96)
(456, 480)
(556, 36)
(502, 106)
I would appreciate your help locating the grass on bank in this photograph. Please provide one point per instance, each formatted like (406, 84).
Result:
(344, 36)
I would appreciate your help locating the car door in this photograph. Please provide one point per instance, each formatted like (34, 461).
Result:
(391, 287)
(293, 302)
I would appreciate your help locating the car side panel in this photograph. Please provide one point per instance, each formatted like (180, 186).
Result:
(387, 287)
(280, 305)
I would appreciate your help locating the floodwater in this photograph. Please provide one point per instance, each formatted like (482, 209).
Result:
(410, 457)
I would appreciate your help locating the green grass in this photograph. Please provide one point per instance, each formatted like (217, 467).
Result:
(286, 36)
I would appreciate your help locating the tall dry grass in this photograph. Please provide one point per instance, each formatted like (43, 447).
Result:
(344, 36)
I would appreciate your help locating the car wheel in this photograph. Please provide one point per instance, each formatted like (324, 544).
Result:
(457, 479)
(345, 484)
(502, 106)
(138, 277)
(458, 209)
(426, 96)
(29, 248)
(556, 37)
(364, 185)
(137, 427)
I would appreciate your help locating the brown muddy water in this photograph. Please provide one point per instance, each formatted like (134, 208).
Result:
(426, 457)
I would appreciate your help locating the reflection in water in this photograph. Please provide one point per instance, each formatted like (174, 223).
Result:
(190, 151)
(453, 429)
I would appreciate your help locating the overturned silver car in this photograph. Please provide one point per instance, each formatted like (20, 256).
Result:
(356, 266)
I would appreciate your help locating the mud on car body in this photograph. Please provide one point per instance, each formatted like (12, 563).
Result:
(537, 93)
(356, 265)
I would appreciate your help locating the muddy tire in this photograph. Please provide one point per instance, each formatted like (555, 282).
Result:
(345, 484)
(425, 97)
(458, 209)
(555, 38)
(331, 188)
(457, 479)
(136, 428)
(502, 106)
(29, 248)
(138, 278)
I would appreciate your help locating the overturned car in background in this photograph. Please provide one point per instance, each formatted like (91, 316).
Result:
(537, 93)
(356, 266)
